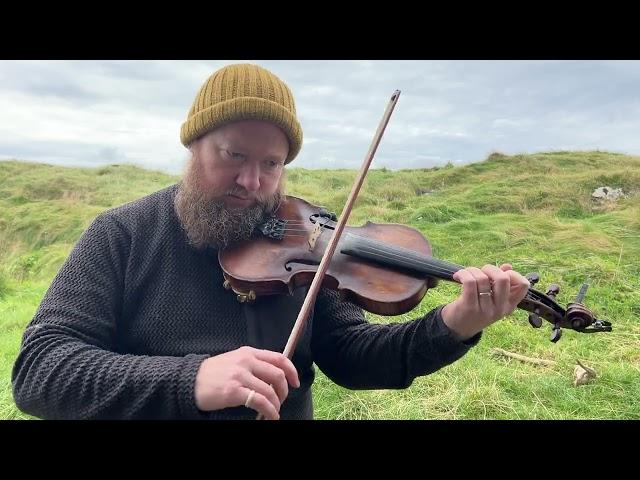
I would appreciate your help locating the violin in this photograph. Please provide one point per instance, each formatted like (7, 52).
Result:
(386, 269)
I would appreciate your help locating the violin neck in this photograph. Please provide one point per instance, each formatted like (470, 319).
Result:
(397, 257)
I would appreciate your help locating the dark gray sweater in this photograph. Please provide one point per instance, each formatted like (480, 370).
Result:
(134, 311)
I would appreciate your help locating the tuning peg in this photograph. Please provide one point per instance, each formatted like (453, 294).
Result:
(556, 333)
(553, 290)
(533, 278)
(534, 320)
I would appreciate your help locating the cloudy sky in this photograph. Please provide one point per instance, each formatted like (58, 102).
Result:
(92, 113)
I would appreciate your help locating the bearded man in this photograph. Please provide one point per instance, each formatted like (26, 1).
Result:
(138, 325)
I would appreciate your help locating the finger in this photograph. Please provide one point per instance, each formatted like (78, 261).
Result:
(500, 285)
(260, 404)
(263, 388)
(519, 286)
(482, 280)
(281, 361)
(498, 279)
(506, 266)
(273, 376)
(469, 287)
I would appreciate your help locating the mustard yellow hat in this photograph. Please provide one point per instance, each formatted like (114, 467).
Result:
(243, 92)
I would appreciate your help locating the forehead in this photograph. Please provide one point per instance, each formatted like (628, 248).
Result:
(252, 133)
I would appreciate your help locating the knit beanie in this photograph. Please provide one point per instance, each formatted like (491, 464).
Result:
(243, 92)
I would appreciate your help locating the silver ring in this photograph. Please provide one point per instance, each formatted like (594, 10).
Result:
(485, 293)
(249, 398)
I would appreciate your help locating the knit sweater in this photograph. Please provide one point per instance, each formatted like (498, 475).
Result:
(135, 310)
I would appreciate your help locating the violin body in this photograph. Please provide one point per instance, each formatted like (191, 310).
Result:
(267, 266)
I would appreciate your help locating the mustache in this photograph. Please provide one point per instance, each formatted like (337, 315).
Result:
(268, 203)
(241, 192)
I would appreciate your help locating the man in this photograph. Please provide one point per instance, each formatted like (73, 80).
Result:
(137, 323)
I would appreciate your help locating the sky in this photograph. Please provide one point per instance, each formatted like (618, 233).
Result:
(95, 113)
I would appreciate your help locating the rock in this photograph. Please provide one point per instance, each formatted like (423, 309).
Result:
(607, 193)
(582, 374)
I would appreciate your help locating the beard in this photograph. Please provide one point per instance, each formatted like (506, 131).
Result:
(208, 222)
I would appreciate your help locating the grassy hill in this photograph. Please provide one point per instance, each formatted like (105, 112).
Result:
(534, 211)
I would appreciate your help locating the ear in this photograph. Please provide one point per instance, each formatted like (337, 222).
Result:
(192, 150)
(193, 146)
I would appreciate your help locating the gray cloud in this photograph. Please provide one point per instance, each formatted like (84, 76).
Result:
(101, 112)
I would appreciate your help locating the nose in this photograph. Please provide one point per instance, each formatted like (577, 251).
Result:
(249, 177)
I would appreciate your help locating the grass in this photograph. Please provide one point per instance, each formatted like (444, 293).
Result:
(534, 211)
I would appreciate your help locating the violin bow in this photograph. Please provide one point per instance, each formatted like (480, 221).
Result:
(310, 299)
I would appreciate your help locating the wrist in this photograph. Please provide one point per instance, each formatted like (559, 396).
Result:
(454, 321)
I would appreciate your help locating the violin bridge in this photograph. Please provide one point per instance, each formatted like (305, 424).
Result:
(313, 236)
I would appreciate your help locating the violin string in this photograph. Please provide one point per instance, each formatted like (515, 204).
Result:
(288, 229)
(372, 249)
(390, 255)
(436, 269)
(385, 252)
(299, 222)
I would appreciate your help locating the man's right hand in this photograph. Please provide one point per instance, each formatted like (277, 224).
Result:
(227, 380)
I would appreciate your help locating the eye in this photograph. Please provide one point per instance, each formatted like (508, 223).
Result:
(274, 164)
(235, 155)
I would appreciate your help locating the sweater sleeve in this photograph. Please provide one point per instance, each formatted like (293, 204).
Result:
(69, 367)
(357, 354)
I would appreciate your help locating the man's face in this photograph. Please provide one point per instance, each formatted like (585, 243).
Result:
(241, 163)
(232, 182)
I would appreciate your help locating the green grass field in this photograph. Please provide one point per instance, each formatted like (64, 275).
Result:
(534, 211)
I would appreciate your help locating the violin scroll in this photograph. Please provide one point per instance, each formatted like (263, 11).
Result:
(576, 316)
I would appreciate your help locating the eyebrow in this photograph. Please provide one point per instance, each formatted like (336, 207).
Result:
(235, 148)
(275, 158)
